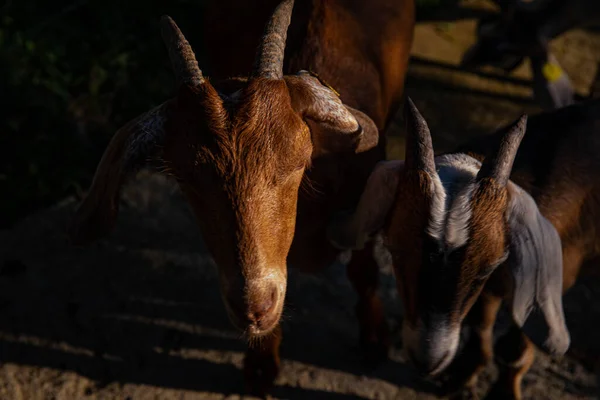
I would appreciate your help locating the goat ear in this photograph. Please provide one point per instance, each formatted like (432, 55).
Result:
(127, 151)
(535, 262)
(334, 126)
(352, 231)
(369, 138)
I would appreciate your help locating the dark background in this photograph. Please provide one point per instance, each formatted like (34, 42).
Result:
(72, 73)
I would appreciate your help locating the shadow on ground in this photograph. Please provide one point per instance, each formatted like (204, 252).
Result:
(144, 308)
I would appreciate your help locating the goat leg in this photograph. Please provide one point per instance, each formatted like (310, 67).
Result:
(363, 273)
(261, 363)
(514, 355)
(478, 351)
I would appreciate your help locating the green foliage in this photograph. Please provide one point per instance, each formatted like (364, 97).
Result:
(72, 73)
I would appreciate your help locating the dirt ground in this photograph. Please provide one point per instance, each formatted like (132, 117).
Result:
(139, 315)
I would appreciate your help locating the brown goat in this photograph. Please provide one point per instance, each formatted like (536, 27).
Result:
(241, 148)
(463, 238)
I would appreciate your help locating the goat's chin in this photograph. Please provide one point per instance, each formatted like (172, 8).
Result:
(442, 365)
(253, 331)
(430, 351)
(432, 370)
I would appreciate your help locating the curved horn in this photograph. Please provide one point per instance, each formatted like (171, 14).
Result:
(269, 57)
(419, 148)
(498, 165)
(128, 150)
(181, 54)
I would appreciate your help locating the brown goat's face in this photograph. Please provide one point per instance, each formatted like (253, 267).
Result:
(442, 271)
(239, 152)
(240, 167)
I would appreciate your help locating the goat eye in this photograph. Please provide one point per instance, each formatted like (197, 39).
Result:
(299, 167)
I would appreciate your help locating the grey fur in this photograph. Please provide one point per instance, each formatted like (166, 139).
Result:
(535, 261)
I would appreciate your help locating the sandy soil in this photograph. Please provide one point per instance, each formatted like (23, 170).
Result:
(139, 316)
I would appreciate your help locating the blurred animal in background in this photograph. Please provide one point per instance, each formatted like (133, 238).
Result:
(464, 238)
(524, 28)
(266, 158)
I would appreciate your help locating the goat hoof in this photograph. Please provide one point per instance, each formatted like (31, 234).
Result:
(375, 346)
(259, 374)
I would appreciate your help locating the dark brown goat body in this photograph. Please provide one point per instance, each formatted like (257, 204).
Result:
(266, 152)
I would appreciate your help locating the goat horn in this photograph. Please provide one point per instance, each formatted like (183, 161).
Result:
(498, 165)
(419, 148)
(181, 54)
(269, 57)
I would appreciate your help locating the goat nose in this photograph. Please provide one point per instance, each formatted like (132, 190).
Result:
(260, 310)
(428, 364)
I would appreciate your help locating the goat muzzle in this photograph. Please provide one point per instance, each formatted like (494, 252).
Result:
(430, 347)
(256, 309)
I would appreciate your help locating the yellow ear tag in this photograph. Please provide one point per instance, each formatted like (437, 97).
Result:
(324, 83)
(552, 72)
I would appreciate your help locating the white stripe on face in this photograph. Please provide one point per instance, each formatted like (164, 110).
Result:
(432, 342)
(435, 228)
(457, 221)
(453, 188)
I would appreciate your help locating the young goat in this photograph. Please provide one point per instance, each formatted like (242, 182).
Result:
(463, 238)
(241, 148)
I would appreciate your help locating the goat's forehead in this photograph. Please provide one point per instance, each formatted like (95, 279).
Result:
(450, 211)
(260, 140)
(452, 215)
(247, 161)
(457, 166)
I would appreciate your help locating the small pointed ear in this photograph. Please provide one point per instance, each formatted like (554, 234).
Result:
(128, 150)
(334, 126)
(535, 262)
(352, 231)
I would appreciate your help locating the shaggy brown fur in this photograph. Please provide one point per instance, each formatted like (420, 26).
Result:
(241, 149)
